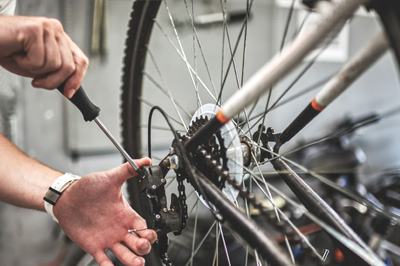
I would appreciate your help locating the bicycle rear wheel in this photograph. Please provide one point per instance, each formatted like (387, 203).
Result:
(181, 55)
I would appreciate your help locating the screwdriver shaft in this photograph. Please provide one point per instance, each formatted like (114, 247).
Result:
(117, 145)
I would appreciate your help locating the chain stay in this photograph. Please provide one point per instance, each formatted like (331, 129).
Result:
(174, 220)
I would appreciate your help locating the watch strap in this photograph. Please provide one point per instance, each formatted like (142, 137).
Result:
(53, 194)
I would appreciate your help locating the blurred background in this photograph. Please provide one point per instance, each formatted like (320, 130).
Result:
(49, 129)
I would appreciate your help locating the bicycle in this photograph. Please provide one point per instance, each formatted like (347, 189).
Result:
(217, 150)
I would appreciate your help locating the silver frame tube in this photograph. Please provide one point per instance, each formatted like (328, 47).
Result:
(281, 65)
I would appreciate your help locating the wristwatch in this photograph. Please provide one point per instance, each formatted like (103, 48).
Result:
(53, 194)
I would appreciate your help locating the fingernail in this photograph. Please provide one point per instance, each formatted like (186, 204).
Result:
(140, 260)
(146, 246)
(70, 93)
(34, 83)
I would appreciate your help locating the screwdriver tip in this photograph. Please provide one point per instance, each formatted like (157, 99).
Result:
(139, 172)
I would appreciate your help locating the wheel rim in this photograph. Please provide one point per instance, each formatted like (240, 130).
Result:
(198, 77)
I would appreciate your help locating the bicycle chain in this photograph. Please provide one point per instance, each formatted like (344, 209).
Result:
(212, 163)
(211, 159)
(182, 198)
(214, 147)
(270, 215)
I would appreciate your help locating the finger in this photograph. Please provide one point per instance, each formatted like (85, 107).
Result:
(126, 256)
(102, 259)
(52, 60)
(52, 56)
(142, 231)
(55, 79)
(123, 172)
(81, 63)
(149, 234)
(32, 47)
(11, 65)
(140, 246)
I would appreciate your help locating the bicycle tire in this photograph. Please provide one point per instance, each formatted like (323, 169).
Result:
(139, 29)
(139, 33)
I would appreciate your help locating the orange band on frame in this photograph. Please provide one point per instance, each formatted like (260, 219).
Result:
(221, 117)
(316, 106)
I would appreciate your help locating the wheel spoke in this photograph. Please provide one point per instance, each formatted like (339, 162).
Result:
(194, 232)
(183, 54)
(200, 68)
(192, 71)
(168, 92)
(224, 243)
(201, 243)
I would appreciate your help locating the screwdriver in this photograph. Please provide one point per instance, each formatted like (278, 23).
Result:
(91, 112)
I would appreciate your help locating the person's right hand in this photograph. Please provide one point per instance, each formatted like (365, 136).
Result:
(38, 48)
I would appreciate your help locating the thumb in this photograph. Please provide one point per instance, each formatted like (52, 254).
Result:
(125, 171)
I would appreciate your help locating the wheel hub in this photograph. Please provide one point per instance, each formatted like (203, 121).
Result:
(224, 147)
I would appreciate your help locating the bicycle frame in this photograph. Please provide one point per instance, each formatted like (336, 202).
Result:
(281, 65)
(290, 57)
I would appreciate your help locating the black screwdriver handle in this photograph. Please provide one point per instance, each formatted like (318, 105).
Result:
(83, 103)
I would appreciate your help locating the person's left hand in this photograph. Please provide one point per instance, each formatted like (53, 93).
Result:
(95, 215)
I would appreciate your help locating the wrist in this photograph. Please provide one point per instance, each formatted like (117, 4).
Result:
(55, 191)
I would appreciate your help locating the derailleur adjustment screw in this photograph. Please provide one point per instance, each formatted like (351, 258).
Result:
(173, 162)
(163, 180)
(158, 217)
(165, 210)
(153, 187)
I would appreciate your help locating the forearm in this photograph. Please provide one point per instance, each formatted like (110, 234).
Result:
(23, 180)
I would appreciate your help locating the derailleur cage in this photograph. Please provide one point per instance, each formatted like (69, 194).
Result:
(154, 202)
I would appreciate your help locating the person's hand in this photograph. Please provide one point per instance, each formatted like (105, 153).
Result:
(95, 215)
(38, 48)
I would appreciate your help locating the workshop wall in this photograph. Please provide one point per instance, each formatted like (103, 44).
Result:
(51, 130)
